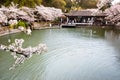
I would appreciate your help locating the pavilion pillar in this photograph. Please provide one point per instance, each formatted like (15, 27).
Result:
(67, 19)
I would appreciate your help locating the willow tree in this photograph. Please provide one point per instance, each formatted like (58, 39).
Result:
(28, 3)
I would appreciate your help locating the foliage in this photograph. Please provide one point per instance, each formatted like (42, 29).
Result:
(86, 3)
(104, 4)
(62, 4)
(113, 14)
(80, 4)
(59, 4)
(21, 54)
(65, 5)
(21, 23)
(48, 13)
(69, 5)
(55, 3)
(28, 3)
(47, 2)
(2, 2)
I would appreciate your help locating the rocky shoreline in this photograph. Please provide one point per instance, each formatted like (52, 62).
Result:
(14, 17)
(6, 32)
(38, 26)
(12, 31)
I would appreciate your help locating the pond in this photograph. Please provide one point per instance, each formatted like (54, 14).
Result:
(73, 54)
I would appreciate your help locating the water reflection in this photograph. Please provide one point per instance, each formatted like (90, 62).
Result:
(73, 54)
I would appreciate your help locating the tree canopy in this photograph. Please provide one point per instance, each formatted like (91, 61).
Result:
(28, 3)
(86, 3)
(62, 4)
(59, 4)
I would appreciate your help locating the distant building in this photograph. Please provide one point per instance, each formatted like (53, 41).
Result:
(87, 17)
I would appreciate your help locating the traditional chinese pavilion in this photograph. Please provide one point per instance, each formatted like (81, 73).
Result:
(85, 17)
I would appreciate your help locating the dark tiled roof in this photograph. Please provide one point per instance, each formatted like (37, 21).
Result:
(83, 13)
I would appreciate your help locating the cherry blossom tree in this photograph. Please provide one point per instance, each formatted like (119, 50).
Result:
(103, 4)
(112, 11)
(48, 13)
(113, 14)
(23, 53)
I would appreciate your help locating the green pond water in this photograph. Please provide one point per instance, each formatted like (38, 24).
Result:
(73, 54)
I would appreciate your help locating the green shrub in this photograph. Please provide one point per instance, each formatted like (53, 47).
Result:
(21, 23)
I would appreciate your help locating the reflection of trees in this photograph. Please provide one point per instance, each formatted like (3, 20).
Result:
(92, 32)
(88, 32)
(98, 32)
(109, 34)
(113, 38)
(112, 35)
